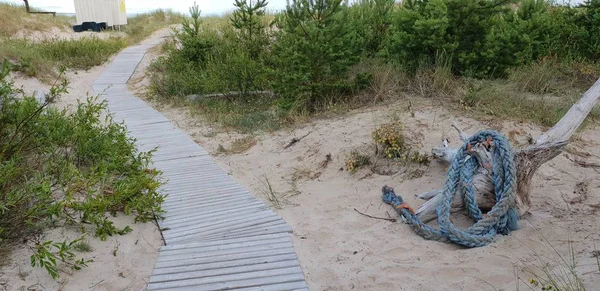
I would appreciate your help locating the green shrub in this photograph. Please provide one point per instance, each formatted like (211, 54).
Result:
(250, 25)
(372, 19)
(58, 168)
(486, 39)
(241, 60)
(475, 34)
(319, 53)
(314, 50)
(390, 139)
(215, 61)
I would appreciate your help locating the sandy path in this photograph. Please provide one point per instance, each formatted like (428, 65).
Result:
(121, 262)
(341, 250)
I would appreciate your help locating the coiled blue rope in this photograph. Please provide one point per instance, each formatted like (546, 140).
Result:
(501, 219)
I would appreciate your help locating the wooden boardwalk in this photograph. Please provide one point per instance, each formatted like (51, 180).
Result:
(218, 236)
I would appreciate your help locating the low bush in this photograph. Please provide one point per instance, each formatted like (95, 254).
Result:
(392, 144)
(67, 169)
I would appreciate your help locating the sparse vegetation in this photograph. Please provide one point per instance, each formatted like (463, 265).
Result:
(239, 145)
(83, 246)
(141, 26)
(356, 161)
(67, 169)
(270, 194)
(49, 254)
(392, 144)
(557, 272)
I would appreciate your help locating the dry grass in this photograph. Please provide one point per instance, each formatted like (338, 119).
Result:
(216, 22)
(541, 93)
(238, 146)
(14, 18)
(555, 271)
(267, 190)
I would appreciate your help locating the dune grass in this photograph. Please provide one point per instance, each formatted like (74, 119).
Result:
(143, 25)
(42, 60)
(14, 18)
(540, 93)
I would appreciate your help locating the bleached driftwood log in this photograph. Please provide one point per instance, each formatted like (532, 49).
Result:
(547, 146)
(194, 97)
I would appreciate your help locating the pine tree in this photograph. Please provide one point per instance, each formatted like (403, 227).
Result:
(194, 47)
(315, 48)
(248, 20)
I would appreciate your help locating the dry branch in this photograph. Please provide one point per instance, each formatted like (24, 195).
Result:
(547, 146)
(295, 140)
(375, 217)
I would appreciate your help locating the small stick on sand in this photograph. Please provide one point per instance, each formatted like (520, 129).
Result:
(295, 140)
(375, 217)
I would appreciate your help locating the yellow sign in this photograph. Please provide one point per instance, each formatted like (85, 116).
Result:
(122, 6)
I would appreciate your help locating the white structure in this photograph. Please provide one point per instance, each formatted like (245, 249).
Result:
(112, 12)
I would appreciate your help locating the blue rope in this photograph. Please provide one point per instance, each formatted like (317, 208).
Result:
(501, 219)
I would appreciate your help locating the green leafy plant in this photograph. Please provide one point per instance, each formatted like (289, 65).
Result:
(60, 168)
(390, 138)
(48, 254)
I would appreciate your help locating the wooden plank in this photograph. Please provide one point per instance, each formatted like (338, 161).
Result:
(216, 254)
(236, 280)
(225, 264)
(220, 246)
(229, 223)
(229, 270)
(221, 242)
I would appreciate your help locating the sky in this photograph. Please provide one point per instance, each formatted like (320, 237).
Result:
(208, 7)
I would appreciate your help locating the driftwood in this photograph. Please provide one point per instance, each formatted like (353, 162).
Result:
(227, 95)
(547, 146)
